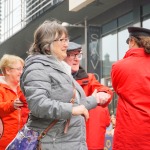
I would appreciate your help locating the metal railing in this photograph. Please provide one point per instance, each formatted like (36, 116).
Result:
(28, 10)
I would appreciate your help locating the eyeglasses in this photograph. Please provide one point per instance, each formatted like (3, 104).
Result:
(73, 56)
(66, 40)
(18, 69)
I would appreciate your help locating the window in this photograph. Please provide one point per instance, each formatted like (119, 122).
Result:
(146, 23)
(114, 44)
(109, 53)
(146, 16)
(122, 45)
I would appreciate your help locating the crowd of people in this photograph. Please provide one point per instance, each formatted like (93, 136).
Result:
(52, 85)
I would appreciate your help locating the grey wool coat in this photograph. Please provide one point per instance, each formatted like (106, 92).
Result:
(48, 90)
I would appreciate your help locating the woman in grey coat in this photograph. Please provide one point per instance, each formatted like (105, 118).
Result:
(48, 86)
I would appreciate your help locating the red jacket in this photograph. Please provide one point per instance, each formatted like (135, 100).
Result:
(131, 81)
(99, 117)
(12, 119)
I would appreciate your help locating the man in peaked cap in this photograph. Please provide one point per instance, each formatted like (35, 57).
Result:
(99, 117)
(131, 81)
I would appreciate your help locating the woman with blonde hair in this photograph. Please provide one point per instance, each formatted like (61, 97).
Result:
(13, 106)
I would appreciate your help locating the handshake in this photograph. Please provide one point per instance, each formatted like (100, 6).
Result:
(101, 97)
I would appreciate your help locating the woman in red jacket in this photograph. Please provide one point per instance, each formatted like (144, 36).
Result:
(99, 118)
(131, 81)
(13, 106)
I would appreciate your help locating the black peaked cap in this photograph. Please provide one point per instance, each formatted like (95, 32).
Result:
(137, 31)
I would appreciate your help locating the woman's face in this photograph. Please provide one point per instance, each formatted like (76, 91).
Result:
(59, 47)
(14, 72)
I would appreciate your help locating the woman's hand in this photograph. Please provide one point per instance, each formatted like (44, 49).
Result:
(18, 104)
(101, 97)
(80, 110)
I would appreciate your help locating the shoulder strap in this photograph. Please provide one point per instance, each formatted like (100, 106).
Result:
(43, 133)
(74, 94)
(71, 101)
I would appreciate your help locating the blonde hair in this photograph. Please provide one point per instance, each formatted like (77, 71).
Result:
(8, 60)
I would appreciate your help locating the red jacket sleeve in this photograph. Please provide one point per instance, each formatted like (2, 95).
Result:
(91, 83)
(95, 84)
(6, 107)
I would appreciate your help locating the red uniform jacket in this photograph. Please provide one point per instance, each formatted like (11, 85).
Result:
(12, 119)
(99, 117)
(131, 81)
